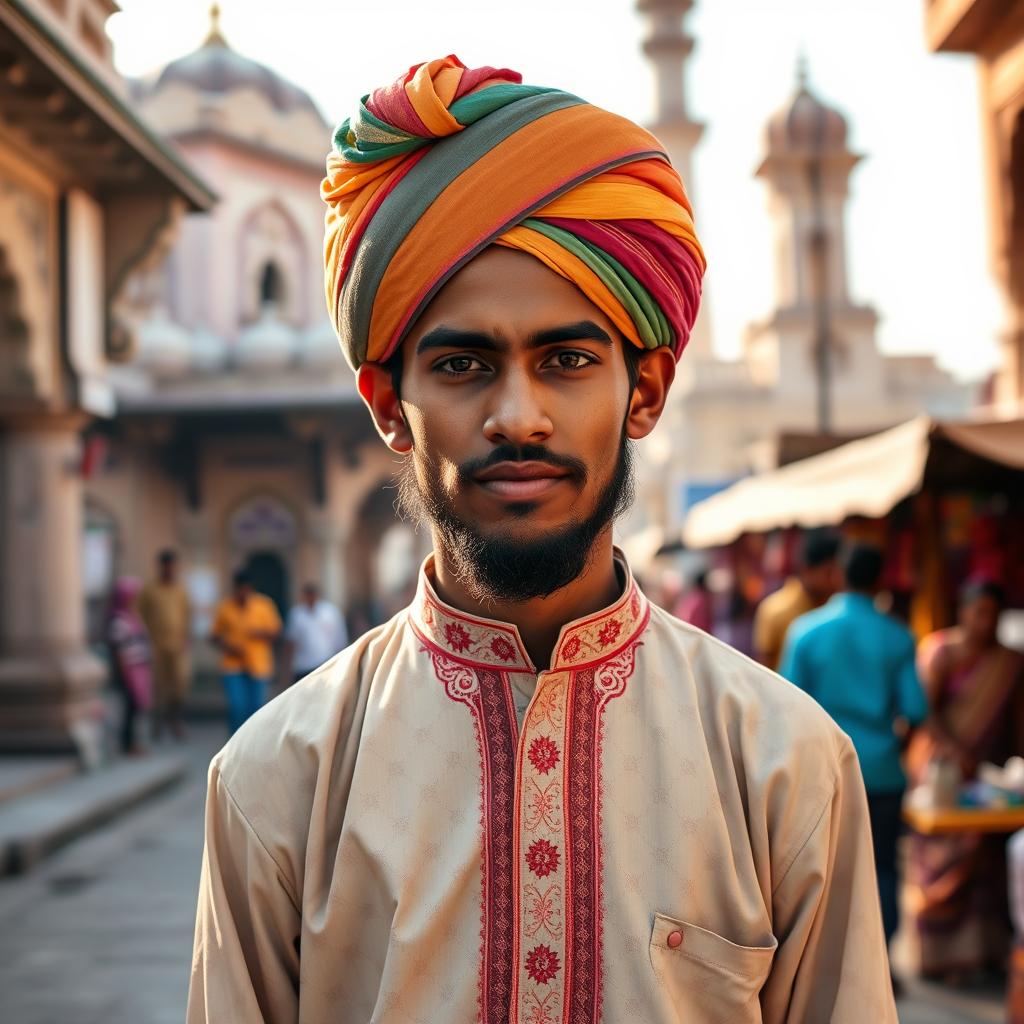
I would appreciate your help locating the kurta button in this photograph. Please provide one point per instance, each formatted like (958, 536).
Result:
(675, 939)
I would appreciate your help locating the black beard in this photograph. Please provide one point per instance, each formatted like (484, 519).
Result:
(503, 567)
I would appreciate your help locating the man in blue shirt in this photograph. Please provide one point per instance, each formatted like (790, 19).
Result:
(859, 665)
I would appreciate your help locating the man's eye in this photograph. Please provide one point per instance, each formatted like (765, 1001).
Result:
(573, 360)
(455, 365)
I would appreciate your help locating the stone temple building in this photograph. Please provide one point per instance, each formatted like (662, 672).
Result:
(727, 416)
(240, 440)
(89, 200)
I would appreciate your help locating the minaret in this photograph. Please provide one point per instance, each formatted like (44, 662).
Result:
(817, 341)
(667, 46)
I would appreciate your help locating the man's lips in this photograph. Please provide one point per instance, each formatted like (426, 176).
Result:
(520, 480)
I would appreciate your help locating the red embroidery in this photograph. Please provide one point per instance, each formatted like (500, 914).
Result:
(571, 650)
(542, 858)
(542, 964)
(543, 754)
(544, 910)
(488, 696)
(457, 637)
(610, 632)
(502, 649)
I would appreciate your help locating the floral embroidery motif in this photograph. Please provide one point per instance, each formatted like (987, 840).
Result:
(609, 632)
(543, 910)
(502, 648)
(542, 964)
(543, 806)
(542, 1009)
(571, 648)
(457, 637)
(542, 858)
(543, 754)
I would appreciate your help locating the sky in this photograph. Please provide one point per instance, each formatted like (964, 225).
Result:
(916, 221)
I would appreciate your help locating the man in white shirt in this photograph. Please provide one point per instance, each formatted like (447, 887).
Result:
(315, 632)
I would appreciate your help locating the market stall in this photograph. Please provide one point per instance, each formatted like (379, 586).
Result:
(945, 500)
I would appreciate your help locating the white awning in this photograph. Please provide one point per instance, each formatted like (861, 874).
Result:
(866, 477)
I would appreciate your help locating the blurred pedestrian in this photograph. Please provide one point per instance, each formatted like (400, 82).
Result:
(817, 579)
(164, 607)
(314, 634)
(696, 605)
(975, 690)
(245, 627)
(129, 660)
(859, 665)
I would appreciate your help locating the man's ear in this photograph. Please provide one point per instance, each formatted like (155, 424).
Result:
(378, 392)
(647, 402)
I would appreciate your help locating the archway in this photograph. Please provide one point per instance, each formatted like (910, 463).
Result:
(269, 576)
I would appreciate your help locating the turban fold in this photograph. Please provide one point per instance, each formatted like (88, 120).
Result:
(449, 160)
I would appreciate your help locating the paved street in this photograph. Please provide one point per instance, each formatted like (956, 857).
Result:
(102, 932)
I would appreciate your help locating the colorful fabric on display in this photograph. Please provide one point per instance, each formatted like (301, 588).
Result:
(449, 160)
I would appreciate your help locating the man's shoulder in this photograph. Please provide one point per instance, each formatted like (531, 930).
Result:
(723, 675)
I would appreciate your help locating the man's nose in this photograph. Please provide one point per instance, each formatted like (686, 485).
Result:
(517, 415)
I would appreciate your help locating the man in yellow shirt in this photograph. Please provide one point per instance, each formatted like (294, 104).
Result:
(816, 582)
(164, 607)
(245, 628)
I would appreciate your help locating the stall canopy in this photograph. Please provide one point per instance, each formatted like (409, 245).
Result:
(862, 478)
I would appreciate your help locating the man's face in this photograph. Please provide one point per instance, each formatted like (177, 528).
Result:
(515, 394)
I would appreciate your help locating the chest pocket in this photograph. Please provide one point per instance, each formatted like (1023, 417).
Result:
(708, 979)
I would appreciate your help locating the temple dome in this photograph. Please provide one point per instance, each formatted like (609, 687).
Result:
(164, 346)
(267, 344)
(806, 123)
(318, 346)
(216, 69)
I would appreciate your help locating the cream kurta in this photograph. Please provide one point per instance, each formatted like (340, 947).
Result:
(672, 833)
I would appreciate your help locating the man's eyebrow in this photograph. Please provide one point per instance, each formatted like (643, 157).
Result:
(583, 330)
(452, 337)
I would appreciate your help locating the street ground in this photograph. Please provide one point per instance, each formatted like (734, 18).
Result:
(101, 933)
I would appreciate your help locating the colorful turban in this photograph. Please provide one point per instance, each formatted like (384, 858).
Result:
(449, 160)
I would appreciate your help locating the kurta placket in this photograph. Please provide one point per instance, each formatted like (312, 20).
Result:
(540, 797)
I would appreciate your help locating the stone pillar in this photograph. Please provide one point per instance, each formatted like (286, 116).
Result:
(49, 680)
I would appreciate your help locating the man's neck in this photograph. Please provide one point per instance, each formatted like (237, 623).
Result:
(540, 619)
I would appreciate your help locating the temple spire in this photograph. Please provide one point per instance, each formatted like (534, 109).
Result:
(214, 37)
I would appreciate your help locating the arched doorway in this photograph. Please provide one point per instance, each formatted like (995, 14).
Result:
(269, 576)
(262, 538)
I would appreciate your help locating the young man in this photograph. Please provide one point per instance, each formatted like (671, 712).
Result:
(531, 796)
(245, 626)
(164, 607)
(859, 665)
(315, 632)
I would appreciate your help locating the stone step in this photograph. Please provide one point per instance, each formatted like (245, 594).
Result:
(35, 825)
(20, 776)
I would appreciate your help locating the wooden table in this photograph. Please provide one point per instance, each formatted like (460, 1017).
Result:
(950, 820)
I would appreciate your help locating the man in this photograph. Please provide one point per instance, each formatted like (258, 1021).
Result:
(531, 796)
(245, 627)
(860, 666)
(315, 632)
(815, 583)
(164, 608)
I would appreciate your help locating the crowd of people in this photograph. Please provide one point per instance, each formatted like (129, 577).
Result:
(149, 640)
(957, 696)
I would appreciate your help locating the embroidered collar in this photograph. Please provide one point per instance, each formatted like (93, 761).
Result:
(489, 643)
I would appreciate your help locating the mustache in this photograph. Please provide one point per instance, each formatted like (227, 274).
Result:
(576, 468)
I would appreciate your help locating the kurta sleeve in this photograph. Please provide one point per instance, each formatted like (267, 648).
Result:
(831, 964)
(245, 964)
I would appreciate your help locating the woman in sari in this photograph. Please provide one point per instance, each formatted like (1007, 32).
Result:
(958, 882)
(128, 643)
